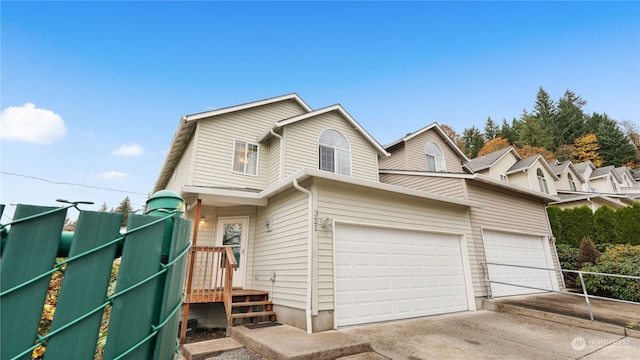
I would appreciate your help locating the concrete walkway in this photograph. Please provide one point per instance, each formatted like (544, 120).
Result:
(548, 326)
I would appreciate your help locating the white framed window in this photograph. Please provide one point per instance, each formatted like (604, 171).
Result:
(334, 153)
(245, 158)
(542, 181)
(613, 184)
(572, 183)
(504, 178)
(435, 159)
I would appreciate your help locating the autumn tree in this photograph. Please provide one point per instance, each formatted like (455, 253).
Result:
(527, 151)
(454, 136)
(103, 207)
(494, 145)
(473, 141)
(587, 149)
(633, 133)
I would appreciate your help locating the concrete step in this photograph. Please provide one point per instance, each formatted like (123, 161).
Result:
(615, 318)
(286, 342)
(205, 349)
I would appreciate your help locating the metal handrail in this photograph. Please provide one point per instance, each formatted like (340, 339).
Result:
(584, 294)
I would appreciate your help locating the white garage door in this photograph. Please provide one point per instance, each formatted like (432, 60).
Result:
(384, 274)
(517, 249)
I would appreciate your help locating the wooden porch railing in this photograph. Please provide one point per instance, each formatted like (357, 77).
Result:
(209, 277)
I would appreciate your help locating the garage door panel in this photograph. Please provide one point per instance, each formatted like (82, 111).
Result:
(411, 274)
(516, 249)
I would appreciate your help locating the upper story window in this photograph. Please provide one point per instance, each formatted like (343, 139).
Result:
(335, 154)
(613, 185)
(572, 183)
(245, 158)
(435, 159)
(542, 181)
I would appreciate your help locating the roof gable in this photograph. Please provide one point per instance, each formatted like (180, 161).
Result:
(488, 160)
(604, 171)
(529, 162)
(337, 108)
(248, 105)
(431, 127)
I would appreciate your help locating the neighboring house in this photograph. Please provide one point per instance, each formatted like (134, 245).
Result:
(511, 224)
(605, 180)
(570, 179)
(295, 192)
(586, 168)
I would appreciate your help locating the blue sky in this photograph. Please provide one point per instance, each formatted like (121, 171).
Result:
(92, 92)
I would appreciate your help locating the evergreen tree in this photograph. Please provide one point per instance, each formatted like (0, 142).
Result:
(510, 132)
(491, 130)
(125, 209)
(628, 220)
(555, 220)
(605, 226)
(577, 223)
(545, 111)
(615, 148)
(570, 120)
(534, 133)
(473, 141)
(565, 153)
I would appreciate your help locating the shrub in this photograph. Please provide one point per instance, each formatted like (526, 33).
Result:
(568, 257)
(588, 253)
(622, 260)
(605, 225)
(628, 220)
(555, 220)
(576, 224)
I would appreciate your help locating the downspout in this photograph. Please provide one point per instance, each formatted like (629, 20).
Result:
(280, 169)
(309, 253)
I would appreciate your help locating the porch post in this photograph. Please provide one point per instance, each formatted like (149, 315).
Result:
(190, 266)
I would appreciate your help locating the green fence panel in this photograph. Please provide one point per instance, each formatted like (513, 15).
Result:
(167, 341)
(133, 312)
(30, 251)
(84, 287)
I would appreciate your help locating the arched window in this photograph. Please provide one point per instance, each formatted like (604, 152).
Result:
(335, 154)
(542, 181)
(613, 184)
(572, 183)
(435, 159)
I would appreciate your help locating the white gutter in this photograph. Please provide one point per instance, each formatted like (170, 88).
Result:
(309, 253)
(280, 169)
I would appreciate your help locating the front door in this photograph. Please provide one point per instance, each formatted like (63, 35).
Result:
(233, 232)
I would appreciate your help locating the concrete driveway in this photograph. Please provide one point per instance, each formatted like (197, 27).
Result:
(491, 335)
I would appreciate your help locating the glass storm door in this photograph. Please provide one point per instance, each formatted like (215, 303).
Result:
(233, 232)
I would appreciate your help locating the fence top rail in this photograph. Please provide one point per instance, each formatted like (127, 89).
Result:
(565, 270)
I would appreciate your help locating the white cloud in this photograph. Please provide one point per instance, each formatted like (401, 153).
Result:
(113, 175)
(128, 150)
(28, 123)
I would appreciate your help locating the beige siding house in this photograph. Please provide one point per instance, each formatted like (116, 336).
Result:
(510, 227)
(294, 195)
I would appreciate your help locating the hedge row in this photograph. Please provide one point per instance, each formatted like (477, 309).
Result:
(605, 226)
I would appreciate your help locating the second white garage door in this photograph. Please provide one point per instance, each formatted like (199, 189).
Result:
(518, 249)
(389, 274)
